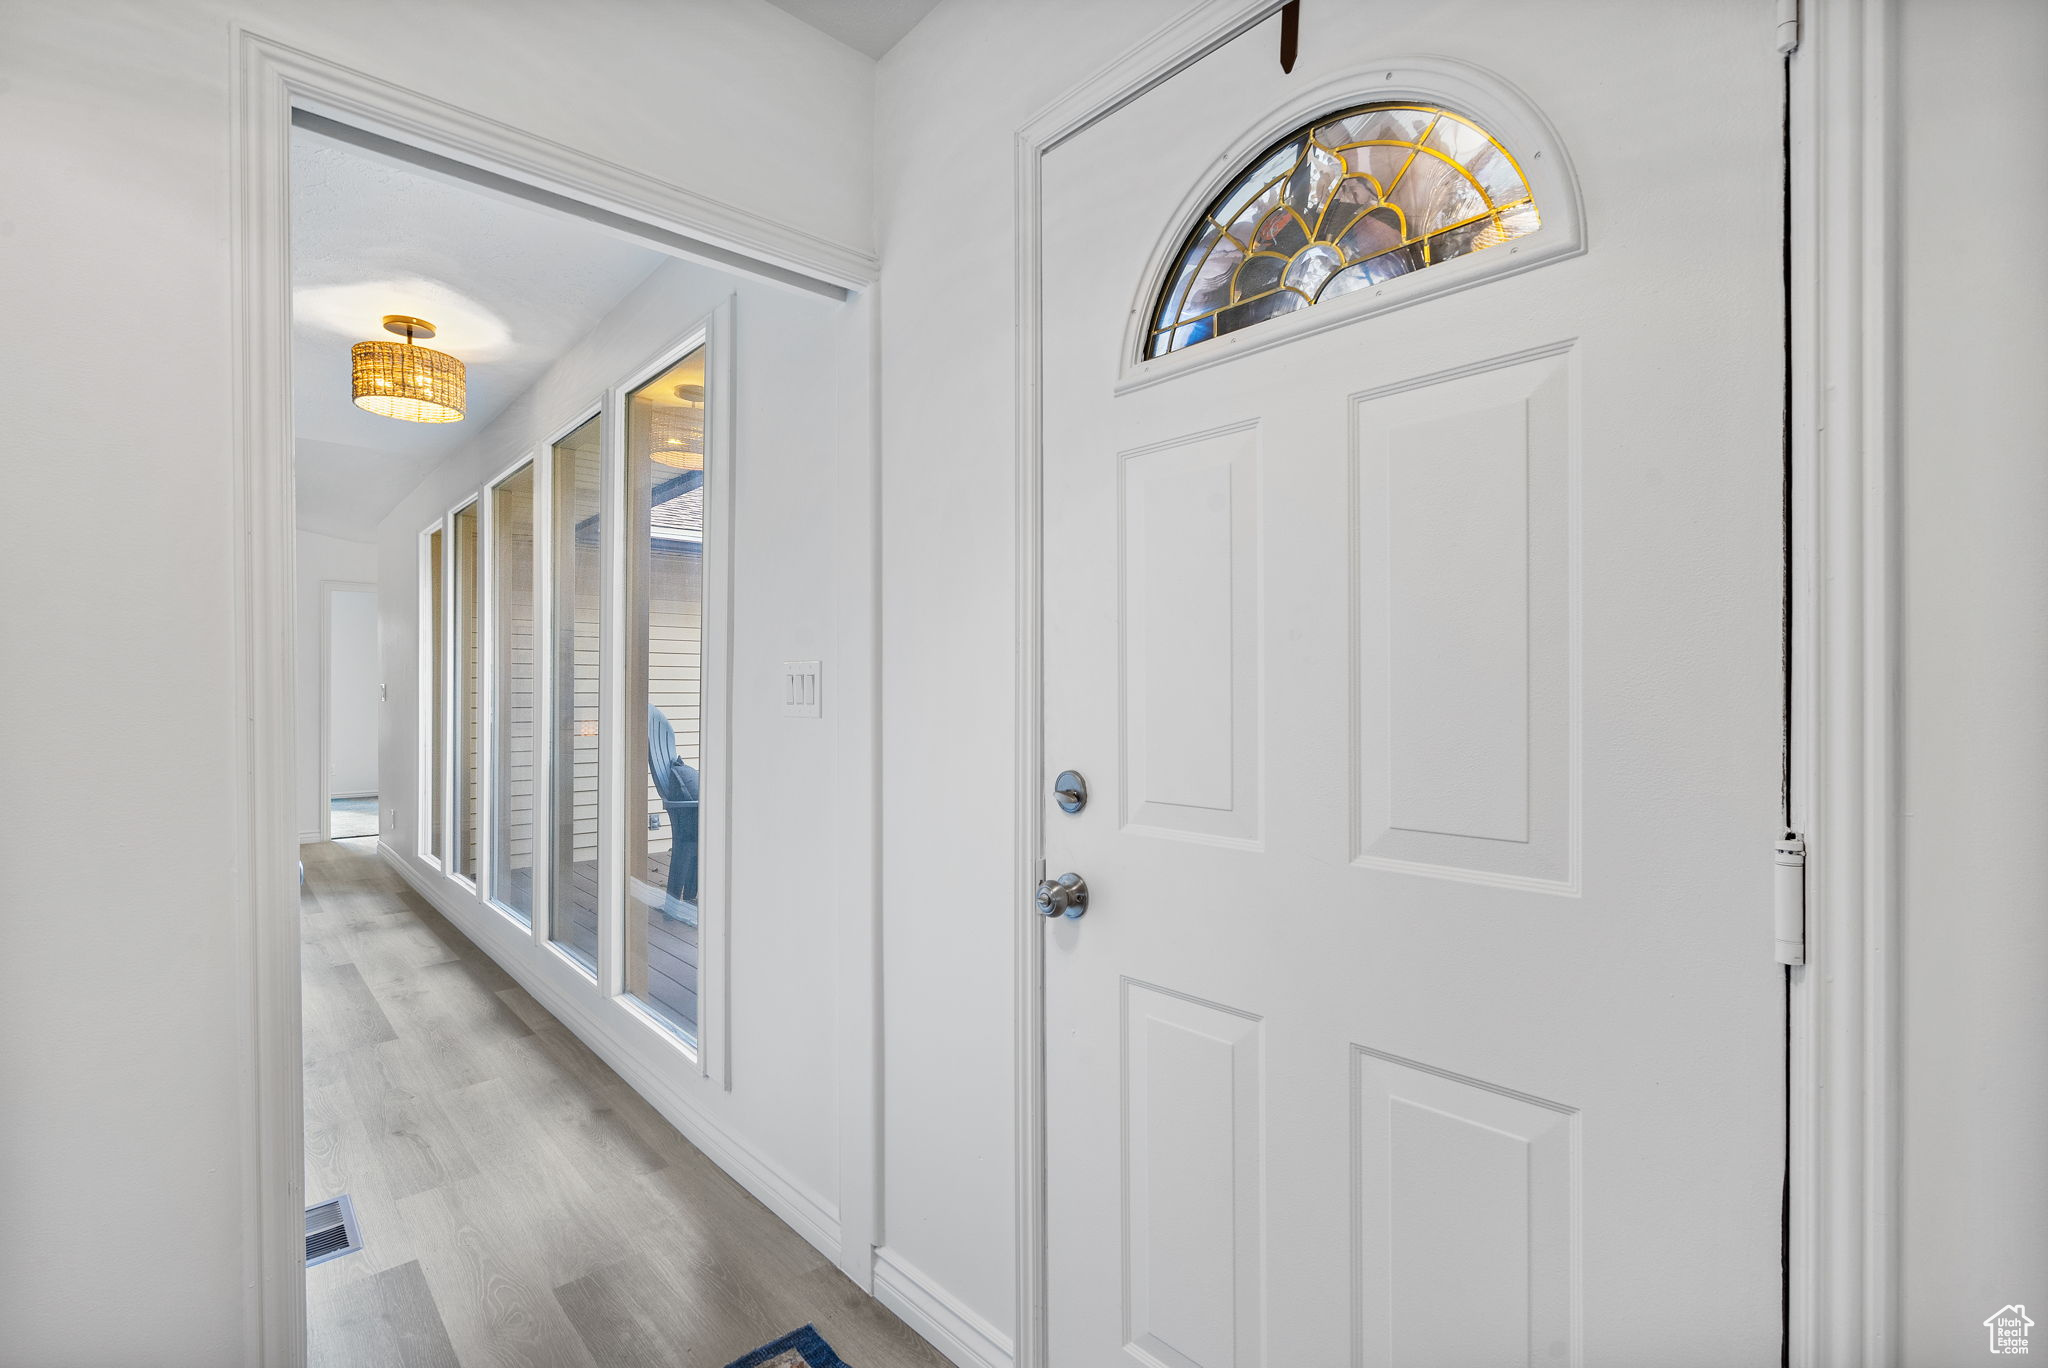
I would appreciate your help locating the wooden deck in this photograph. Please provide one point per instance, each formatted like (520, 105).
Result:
(671, 945)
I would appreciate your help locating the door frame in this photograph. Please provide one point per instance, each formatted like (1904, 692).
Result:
(328, 589)
(272, 80)
(1841, 1240)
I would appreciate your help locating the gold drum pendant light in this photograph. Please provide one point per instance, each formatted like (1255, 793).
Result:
(402, 380)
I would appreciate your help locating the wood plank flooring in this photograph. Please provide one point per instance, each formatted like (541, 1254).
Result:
(521, 1207)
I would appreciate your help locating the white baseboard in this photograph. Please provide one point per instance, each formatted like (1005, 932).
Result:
(951, 1328)
(366, 793)
(310, 837)
(804, 1211)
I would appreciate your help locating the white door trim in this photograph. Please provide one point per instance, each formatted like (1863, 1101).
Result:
(271, 80)
(1843, 1232)
(1843, 1224)
(328, 589)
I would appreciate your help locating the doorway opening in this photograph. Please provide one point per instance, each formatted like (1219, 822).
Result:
(514, 991)
(349, 716)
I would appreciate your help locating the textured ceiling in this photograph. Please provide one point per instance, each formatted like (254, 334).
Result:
(510, 287)
(870, 26)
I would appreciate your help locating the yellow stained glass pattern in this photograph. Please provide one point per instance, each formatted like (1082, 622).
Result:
(1353, 199)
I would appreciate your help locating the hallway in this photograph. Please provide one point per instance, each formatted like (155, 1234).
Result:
(519, 1204)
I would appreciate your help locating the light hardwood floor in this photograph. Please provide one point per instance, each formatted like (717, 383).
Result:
(521, 1207)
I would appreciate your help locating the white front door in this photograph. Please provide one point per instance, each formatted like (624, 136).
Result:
(1425, 670)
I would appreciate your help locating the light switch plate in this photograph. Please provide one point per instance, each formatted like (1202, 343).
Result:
(800, 693)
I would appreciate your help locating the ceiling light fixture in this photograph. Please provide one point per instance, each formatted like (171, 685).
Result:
(676, 433)
(401, 380)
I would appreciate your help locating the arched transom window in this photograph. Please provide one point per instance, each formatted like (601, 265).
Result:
(1348, 201)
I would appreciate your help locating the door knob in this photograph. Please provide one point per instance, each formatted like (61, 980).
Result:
(1066, 896)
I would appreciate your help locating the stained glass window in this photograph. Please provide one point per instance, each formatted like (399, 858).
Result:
(1353, 199)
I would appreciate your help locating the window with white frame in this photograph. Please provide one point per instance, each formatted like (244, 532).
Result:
(663, 531)
(1358, 197)
(515, 673)
(566, 718)
(576, 602)
(433, 695)
(465, 838)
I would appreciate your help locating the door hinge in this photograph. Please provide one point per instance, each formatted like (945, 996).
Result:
(1788, 25)
(1789, 894)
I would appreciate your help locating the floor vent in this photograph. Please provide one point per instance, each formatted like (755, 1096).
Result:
(331, 1231)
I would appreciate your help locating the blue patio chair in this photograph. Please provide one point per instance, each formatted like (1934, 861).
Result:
(676, 782)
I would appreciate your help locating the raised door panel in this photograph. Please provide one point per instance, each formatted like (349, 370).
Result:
(1190, 582)
(1193, 1182)
(1465, 1220)
(1465, 627)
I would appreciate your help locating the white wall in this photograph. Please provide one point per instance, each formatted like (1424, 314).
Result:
(119, 858)
(947, 114)
(353, 675)
(781, 1114)
(1973, 816)
(321, 559)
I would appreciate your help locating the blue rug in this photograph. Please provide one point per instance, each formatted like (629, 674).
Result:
(804, 1348)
